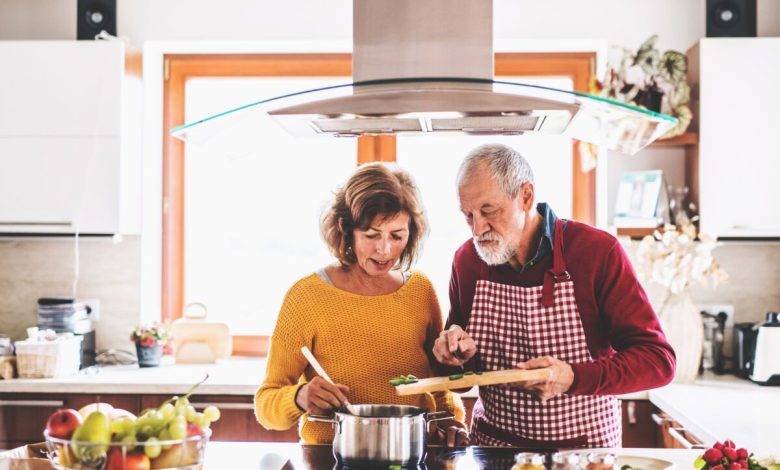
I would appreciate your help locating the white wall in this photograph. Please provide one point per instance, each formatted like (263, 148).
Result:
(627, 22)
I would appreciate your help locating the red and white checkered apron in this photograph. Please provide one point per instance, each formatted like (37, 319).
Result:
(512, 324)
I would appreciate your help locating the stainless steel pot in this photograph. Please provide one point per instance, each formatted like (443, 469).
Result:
(381, 434)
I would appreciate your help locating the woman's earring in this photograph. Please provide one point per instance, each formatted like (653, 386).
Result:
(349, 251)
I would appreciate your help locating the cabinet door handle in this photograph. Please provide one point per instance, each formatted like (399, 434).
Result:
(225, 406)
(658, 419)
(12, 223)
(678, 436)
(51, 403)
(631, 411)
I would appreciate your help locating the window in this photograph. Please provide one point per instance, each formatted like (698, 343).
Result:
(252, 218)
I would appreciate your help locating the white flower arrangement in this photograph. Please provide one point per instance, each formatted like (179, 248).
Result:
(676, 260)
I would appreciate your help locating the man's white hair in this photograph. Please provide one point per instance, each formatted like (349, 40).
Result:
(504, 164)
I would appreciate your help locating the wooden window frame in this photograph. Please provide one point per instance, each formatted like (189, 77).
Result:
(179, 68)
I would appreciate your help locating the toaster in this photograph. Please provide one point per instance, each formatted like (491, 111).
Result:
(766, 358)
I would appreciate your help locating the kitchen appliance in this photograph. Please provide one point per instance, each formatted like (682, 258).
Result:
(427, 67)
(744, 348)
(381, 435)
(766, 360)
(69, 315)
(712, 347)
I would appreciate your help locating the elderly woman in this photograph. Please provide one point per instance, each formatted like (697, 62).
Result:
(366, 317)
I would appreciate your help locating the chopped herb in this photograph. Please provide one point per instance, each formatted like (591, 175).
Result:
(468, 372)
(456, 376)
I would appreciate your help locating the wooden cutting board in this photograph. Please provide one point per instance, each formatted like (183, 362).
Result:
(437, 384)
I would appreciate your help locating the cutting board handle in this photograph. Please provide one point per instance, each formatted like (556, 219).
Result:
(195, 311)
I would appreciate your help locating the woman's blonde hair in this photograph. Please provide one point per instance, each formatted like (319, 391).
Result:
(375, 189)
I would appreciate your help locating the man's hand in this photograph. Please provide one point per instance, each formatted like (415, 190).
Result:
(320, 396)
(557, 383)
(450, 436)
(454, 347)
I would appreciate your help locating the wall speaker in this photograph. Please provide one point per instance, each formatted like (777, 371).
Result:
(731, 18)
(95, 16)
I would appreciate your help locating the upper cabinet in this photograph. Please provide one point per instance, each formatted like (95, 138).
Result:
(736, 98)
(69, 138)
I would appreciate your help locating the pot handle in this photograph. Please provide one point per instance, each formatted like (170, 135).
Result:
(322, 419)
(438, 416)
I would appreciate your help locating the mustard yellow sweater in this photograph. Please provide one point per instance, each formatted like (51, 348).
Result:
(361, 341)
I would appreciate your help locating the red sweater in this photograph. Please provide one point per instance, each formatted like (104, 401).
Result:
(629, 349)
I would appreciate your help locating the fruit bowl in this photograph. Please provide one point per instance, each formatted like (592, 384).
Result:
(175, 454)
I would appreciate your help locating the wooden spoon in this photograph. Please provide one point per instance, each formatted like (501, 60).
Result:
(317, 367)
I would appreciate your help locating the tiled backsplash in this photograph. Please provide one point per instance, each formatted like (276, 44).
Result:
(111, 272)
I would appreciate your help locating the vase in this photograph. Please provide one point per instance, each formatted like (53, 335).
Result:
(682, 324)
(148, 356)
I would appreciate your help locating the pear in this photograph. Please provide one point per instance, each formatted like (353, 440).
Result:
(91, 439)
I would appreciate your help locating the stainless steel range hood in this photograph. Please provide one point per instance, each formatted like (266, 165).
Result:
(426, 66)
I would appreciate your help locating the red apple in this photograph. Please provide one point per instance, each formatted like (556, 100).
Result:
(63, 422)
(194, 430)
(136, 461)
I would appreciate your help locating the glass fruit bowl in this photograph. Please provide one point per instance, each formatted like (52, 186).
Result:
(175, 454)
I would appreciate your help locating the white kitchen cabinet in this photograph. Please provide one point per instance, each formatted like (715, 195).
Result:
(736, 97)
(67, 133)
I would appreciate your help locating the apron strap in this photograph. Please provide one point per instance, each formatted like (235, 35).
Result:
(558, 272)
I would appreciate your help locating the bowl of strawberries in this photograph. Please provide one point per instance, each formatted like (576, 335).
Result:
(727, 456)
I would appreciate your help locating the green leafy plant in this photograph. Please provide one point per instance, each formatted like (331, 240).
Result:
(649, 79)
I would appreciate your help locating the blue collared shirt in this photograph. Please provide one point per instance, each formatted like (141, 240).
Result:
(548, 235)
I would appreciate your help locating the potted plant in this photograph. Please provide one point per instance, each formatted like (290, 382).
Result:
(151, 340)
(677, 259)
(649, 79)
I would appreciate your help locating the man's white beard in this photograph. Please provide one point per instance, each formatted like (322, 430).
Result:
(494, 256)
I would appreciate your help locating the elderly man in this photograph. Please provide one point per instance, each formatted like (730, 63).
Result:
(531, 291)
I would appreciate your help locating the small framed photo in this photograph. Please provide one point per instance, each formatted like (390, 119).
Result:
(641, 199)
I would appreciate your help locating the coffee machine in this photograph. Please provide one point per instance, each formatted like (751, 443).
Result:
(757, 350)
(766, 362)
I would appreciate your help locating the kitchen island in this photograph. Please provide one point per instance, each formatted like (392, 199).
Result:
(275, 456)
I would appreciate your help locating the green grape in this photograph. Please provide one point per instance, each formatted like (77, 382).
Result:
(211, 413)
(190, 413)
(167, 410)
(129, 442)
(200, 420)
(183, 401)
(165, 436)
(177, 428)
(151, 448)
(122, 426)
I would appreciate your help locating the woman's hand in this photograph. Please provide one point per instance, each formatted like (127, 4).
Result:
(320, 396)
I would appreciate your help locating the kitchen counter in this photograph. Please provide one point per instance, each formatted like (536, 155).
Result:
(275, 456)
(233, 376)
(725, 407)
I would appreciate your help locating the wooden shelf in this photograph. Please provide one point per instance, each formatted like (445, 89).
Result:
(687, 138)
(637, 232)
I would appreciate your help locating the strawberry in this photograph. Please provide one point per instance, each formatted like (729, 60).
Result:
(718, 467)
(718, 446)
(730, 453)
(744, 464)
(735, 466)
(742, 453)
(713, 456)
(729, 443)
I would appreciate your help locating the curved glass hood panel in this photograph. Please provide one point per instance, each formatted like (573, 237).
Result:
(440, 105)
